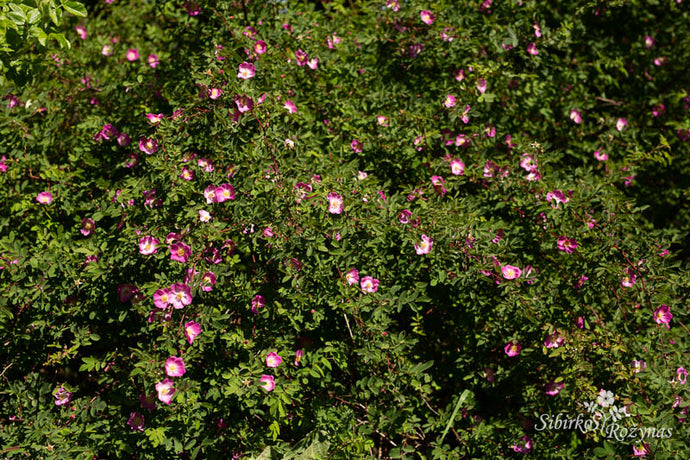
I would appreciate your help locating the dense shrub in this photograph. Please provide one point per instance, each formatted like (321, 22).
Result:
(348, 229)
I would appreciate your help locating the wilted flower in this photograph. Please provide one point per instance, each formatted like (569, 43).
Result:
(62, 396)
(258, 302)
(87, 226)
(553, 340)
(404, 216)
(638, 366)
(136, 421)
(553, 388)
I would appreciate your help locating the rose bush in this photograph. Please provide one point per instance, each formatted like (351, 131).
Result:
(343, 230)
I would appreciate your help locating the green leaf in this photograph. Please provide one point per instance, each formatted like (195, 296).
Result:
(75, 8)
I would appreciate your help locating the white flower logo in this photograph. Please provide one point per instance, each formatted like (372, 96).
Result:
(605, 398)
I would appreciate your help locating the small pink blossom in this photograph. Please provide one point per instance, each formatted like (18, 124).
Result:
(174, 367)
(532, 49)
(268, 382)
(662, 315)
(187, 174)
(629, 279)
(558, 196)
(369, 285)
(298, 357)
(260, 47)
(352, 276)
(576, 116)
(335, 203)
(225, 192)
(463, 116)
(510, 272)
(601, 156)
(81, 31)
(481, 85)
(210, 194)
(382, 121)
(640, 450)
(537, 30)
(648, 42)
(356, 146)
(460, 75)
(180, 295)
(313, 63)
(204, 216)
(301, 57)
(148, 146)
(513, 348)
(427, 17)
(165, 391)
(258, 302)
(132, 54)
(621, 124)
(424, 247)
(191, 331)
(449, 101)
(273, 360)
(553, 388)
(153, 60)
(457, 167)
(404, 216)
(681, 375)
(161, 298)
(215, 93)
(290, 107)
(246, 71)
(244, 103)
(567, 244)
(44, 197)
(180, 252)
